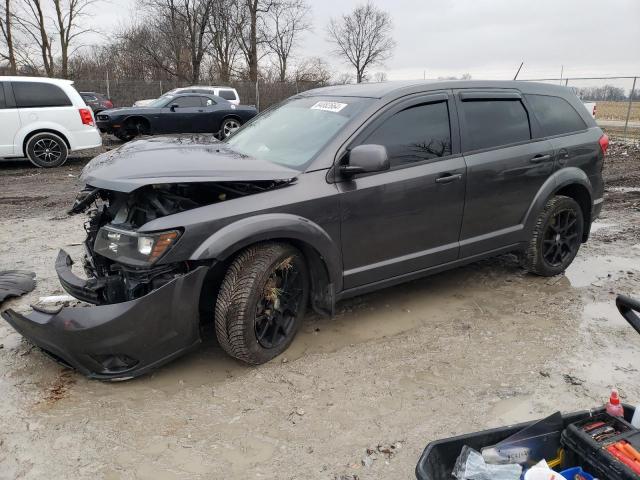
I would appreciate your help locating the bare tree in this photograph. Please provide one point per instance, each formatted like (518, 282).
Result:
(287, 20)
(182, 30)
(380, 77)
(6, 29)
(313, 70)
(33, 23)
(362, 38)
(250, 38)
(68, 14)
(343, 78)
(223, 39)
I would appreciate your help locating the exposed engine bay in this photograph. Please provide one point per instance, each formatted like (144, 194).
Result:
(117, 275)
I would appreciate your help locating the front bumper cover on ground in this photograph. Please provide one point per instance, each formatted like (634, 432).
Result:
(121, 340)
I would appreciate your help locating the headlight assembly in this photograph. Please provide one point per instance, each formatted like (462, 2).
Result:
(133, 248)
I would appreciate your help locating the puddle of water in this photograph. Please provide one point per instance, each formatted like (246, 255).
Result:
(512, 410)
(595, 226)
(603, 313)
(586, 270)
(624, 189)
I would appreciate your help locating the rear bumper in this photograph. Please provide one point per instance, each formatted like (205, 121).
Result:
(85, 138)
(122, 340)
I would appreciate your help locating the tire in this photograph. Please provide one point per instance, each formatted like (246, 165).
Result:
(229, 126)
(253, 323)
(47, 150)
(556, 239)
(132, 129)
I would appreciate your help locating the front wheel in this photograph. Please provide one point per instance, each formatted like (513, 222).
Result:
(261, 302)
(229, 126)
(556, 237)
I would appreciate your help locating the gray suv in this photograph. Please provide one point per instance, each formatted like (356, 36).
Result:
(333, 193)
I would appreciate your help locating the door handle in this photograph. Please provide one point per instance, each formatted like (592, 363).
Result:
(540, 158)
(448, 178)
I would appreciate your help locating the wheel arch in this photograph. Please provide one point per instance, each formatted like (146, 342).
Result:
(131, 118)
(29, 135)
(571, 182)
(316, 245)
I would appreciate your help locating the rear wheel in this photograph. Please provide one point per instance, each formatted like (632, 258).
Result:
(556, 238)
(47, 150)
(261, 302)
(229, 126)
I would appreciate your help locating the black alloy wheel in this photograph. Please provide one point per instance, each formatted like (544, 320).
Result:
(557, 236)
(277, 309)
(560, 239)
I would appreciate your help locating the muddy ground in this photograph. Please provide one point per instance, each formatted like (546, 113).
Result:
(472, 348)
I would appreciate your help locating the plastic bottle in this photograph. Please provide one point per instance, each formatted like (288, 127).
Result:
(613, 407)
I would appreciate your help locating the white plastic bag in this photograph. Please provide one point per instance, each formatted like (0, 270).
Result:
(471, 466)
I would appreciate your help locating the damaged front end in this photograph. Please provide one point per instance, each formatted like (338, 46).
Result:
(141, 309)
(144, 311)
(125, 263)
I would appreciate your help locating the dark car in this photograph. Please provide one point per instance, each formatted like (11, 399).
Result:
(180, 113)
(336, 192)
(96, 101)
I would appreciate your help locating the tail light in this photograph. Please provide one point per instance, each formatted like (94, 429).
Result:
(109, 104)
(604, 143)
(86, 117)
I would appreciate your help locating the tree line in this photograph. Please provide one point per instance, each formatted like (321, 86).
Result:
(190, 41)
(606, 93)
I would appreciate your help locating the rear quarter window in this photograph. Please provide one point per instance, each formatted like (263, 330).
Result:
(36, 94)
(555, 114)
(3, 103)
(494, 123)
(227, 94)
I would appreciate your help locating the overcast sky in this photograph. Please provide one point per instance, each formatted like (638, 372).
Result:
(486, 38)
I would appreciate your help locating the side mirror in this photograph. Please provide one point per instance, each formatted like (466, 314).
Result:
(366, 159)
(173, 107)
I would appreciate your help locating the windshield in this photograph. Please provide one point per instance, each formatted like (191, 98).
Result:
(160, 102)
(293, 133)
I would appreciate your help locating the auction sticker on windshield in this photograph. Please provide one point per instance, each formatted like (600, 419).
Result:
(329, 106)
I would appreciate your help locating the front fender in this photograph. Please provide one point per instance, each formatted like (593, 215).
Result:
(561, 178)
(238, 235)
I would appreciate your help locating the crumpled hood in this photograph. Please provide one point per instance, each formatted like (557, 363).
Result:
(177, 159)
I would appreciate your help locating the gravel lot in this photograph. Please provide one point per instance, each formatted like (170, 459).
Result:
(476, 347)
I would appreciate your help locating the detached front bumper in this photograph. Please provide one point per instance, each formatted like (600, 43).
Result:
(121, 340)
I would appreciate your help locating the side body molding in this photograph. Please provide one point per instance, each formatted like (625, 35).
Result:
(272, 226)
(561, 178)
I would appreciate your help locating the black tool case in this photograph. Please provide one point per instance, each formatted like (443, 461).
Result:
(592, 455)
(439, 457)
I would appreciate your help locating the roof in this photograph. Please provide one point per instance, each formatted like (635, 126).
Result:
(56, 81)
(383, 89)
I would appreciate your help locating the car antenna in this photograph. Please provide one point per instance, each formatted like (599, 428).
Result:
(516, 75)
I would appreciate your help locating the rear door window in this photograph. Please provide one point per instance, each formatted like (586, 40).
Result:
(184, 102)
(37, 94)
(555, 114)
(3, 103)
(494, 123)
(418, 133)
(227, 94)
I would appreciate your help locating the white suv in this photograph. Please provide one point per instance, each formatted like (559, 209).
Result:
(44, 119)
(228, 93)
